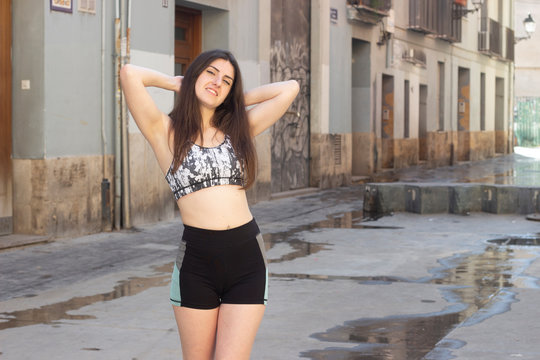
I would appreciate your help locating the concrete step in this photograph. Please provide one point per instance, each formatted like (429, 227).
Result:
(454, 198)
(19, 240)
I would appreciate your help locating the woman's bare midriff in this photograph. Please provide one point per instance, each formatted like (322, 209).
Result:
(215, 208)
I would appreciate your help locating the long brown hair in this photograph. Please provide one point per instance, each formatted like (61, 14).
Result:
(230, 117)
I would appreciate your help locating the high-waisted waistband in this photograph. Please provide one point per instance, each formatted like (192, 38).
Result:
(220, 238)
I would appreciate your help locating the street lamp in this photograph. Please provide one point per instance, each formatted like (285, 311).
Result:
(530, 28)
(460, 12)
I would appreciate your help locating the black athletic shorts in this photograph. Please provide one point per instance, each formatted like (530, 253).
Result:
(216, 267)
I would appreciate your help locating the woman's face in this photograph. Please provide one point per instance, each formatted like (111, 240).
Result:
(214, 83)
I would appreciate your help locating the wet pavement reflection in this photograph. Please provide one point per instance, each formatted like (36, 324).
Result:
(302, 248)
(476, 287)
(514, 169)
(54, 313)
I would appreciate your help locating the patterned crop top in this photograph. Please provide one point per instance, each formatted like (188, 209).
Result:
(205, 167)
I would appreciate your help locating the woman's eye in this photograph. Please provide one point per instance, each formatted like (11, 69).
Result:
(210, 72)
(227, 82)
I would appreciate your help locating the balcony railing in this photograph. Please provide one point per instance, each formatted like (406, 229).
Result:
(423, 16)
(490, 37)
(436, 17)
(449, 24)
(368, 11)
(377, 5)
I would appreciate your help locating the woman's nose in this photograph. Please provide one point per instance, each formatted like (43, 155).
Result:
(217, 80)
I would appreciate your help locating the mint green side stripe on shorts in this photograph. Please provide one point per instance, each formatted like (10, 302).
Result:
(260, 240)
(175, 287)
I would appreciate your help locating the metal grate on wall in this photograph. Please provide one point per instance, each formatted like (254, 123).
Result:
(337, 149)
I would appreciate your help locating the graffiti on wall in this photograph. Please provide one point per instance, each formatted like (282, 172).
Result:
(290, 59)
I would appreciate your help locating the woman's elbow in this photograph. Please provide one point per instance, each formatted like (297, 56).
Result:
(125, 72)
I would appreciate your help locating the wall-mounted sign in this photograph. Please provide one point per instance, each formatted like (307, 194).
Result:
(62, 5)
(461, 107)
(88, 6)
(333, 15)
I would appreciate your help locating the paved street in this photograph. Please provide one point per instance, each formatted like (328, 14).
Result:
(405, 286)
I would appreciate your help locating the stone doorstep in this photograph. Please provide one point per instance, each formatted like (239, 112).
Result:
(360, 179)
(430, 198)
(19, 240)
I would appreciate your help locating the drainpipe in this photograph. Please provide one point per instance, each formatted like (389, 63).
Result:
(103, 135)
(118, 123)
(453, 110)
(511, 103)
(126, 199)
(122, 214)
(105, 184)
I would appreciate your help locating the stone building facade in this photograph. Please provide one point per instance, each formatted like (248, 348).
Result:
(527, 80)
(384, 84)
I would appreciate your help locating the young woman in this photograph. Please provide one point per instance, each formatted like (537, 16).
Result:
(205, 149)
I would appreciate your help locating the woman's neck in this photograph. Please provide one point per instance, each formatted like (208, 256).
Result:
(206, 116)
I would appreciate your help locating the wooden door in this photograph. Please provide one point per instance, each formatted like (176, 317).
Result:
(5, 119)
(387, 122)
(187, 38)
(422, 123)
(500, 133)
(290, 59)
(464, 94)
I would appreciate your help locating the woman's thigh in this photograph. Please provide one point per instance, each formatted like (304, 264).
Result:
(236, 330)
(197, 329)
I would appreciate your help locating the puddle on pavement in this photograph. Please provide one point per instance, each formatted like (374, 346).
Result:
(302, 248)
(524, 240)
(364, 280)
(507, 170)
(54, 313)
(476, 287)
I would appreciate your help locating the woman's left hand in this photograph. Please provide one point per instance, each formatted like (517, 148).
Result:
(178, 83)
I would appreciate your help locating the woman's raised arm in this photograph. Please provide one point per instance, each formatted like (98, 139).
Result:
(271, 101)
(150, 120)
